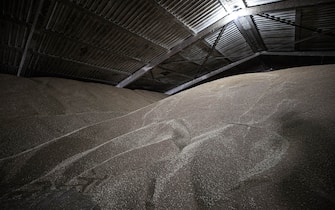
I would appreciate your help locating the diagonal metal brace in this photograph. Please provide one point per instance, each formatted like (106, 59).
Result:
(218, 38)
(30, 36)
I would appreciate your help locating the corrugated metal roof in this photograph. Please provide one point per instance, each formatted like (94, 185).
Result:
(13, 34)
(319, 18)
(12, 38)
(276, 35)
(251, 3)
(139, 17)
(150, 84)
(9, 59)
(52, 44)
(103, 40)
(19, 10)
(232, 44)
(65, 68)
(186, 68)
(16, 18)
(197, 15)
(196, 52)
(81, 26)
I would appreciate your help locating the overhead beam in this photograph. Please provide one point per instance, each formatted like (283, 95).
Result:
(195, 60)
(302, 53)
(249, 31)
(30, 36)
(315, 30)
(285, 5)
(211, 74)
(218, 38)
(218, 52)
(187, 42)
(225, 68)
(82, 63)
(174, 72)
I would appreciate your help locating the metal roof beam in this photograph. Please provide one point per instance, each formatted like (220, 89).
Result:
(315, 30)
(302, 53)
(218, 38)
(225, 68)
(30, 36)
(194, 61)
(210, 74)
(176, 73)
(285, 5)
(250, 33)
(218, 52)
(82, 63)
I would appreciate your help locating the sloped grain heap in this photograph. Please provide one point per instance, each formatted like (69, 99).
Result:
(262, 140)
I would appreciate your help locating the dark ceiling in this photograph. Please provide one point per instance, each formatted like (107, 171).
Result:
(162, 45)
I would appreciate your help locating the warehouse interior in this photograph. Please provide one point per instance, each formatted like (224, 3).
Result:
(167, 104)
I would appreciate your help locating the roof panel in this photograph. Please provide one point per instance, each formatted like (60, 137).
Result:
(85, 28)
(108, 40)
(13, 34)
(276, 35)
(319, 18)
(51, 44)
(196, 52)
(19, 10)
(142, 18)
(59, 67)
(232, 44)
(9, 59)
(251, 3)
(197, 15)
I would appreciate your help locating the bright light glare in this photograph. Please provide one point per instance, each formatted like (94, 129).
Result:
(236, 14)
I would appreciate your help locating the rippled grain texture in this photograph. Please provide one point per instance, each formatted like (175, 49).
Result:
(263, 140)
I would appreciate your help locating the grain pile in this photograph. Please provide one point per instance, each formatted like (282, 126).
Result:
(262, 141)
